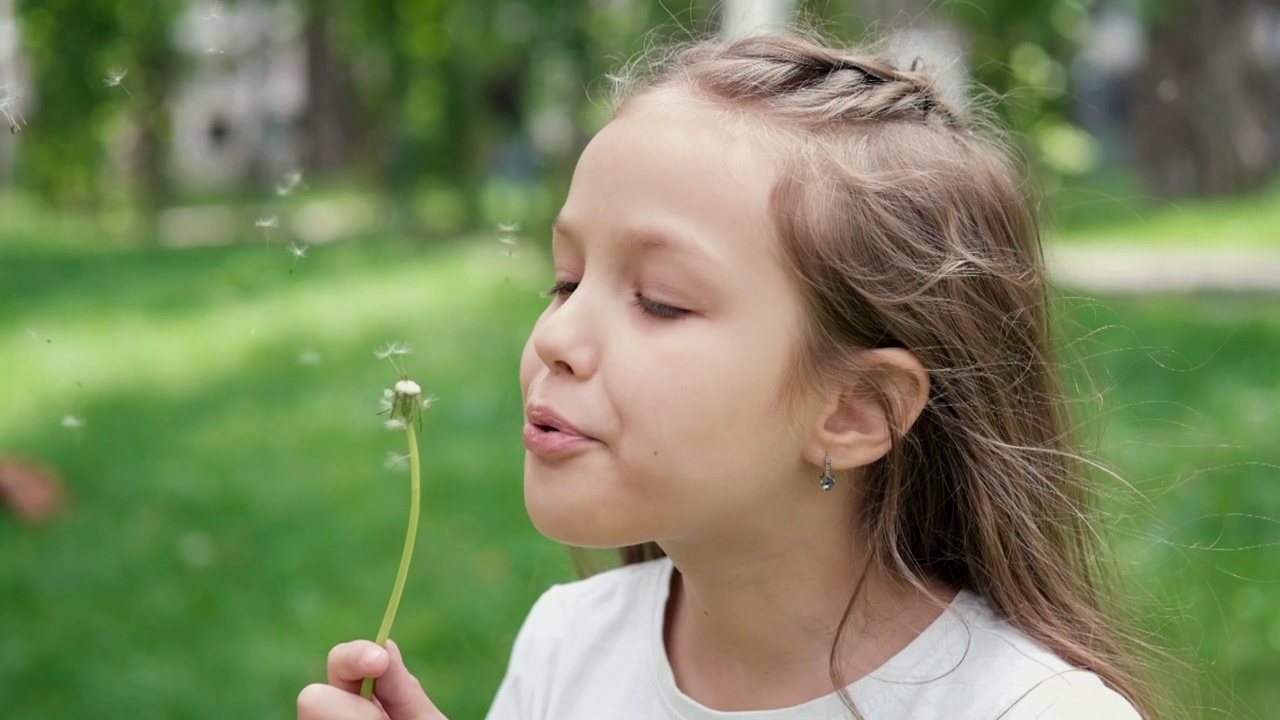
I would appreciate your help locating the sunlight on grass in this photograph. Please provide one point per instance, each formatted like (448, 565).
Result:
(110, 350)
(1248, 221)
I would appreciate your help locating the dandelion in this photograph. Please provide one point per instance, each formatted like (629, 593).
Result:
(9, 108)
(404, 403)
(290, 183)
(115, 78)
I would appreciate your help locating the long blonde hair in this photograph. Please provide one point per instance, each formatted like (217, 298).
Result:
(908, 223)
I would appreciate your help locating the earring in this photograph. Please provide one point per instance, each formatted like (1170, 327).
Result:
(828, 480)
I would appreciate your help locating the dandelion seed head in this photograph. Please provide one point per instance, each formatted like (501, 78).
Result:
(392, 349)
(394, 424)
(408, 387)
(73, 422)
(270, 221)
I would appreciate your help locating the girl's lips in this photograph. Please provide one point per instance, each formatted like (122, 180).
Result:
(550, 443)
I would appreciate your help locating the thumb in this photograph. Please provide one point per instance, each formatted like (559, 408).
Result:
(400, 693)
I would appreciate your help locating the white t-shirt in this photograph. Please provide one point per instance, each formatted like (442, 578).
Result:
(593, 650)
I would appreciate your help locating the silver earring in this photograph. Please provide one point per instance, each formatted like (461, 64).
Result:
(828, 480)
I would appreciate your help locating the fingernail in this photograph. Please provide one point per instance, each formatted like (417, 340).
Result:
(371, 657)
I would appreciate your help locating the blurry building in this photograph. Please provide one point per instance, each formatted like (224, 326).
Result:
(237, 116)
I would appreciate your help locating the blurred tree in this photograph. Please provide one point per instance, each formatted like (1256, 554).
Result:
(62, 151)
(93, 61)
(1206, 104)
(333, 123)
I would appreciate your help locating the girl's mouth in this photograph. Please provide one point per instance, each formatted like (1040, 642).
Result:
(547, 441)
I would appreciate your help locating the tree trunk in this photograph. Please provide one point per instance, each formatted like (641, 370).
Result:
(150, 167)
(1206, 106)
(332, 127)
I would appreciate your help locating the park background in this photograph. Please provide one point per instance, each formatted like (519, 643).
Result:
(212, 215)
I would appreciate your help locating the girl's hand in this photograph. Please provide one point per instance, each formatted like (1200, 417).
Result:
(396, 696)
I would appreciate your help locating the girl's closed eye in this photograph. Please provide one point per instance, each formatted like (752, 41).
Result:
(564, 288)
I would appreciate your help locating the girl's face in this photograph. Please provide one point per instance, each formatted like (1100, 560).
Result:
(670, 342)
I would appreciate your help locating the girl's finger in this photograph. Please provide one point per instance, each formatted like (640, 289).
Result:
(326, 702)
(401, 694)
(351, 662)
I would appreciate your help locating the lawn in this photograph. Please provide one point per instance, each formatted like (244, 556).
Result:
(231, 517)
(1112, 209)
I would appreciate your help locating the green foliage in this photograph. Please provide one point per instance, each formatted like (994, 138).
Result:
(72, 45)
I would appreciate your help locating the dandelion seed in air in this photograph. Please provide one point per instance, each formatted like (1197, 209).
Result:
(266, 224)
(290, 183)
(507, 237)
(214, 13)
(115, 78)
(298, 252)
(9, 108)
(396, 462)
(392, 350)
(72, 422)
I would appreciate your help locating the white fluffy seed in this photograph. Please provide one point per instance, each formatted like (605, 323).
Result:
(408, 387)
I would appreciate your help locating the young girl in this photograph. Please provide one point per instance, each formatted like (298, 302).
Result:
(797, 367)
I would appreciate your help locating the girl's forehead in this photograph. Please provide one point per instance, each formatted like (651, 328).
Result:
(673, 159)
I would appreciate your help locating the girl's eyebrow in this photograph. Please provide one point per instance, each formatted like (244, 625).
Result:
(649, 238)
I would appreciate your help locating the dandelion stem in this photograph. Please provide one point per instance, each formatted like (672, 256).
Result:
(415, 492)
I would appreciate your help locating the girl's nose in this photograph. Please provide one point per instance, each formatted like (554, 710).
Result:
(563, 337)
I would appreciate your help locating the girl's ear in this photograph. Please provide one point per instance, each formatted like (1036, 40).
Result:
(854, 426)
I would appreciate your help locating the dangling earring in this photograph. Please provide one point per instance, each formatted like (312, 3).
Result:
(828, 480)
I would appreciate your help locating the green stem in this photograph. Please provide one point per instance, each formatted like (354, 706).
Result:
(366, 690)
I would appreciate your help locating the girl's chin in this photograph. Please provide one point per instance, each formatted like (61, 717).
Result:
(570, 525)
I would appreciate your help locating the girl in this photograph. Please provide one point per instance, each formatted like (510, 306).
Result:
(797, 367)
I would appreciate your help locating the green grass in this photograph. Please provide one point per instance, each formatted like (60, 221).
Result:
(231, 518)
(1110, 210)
